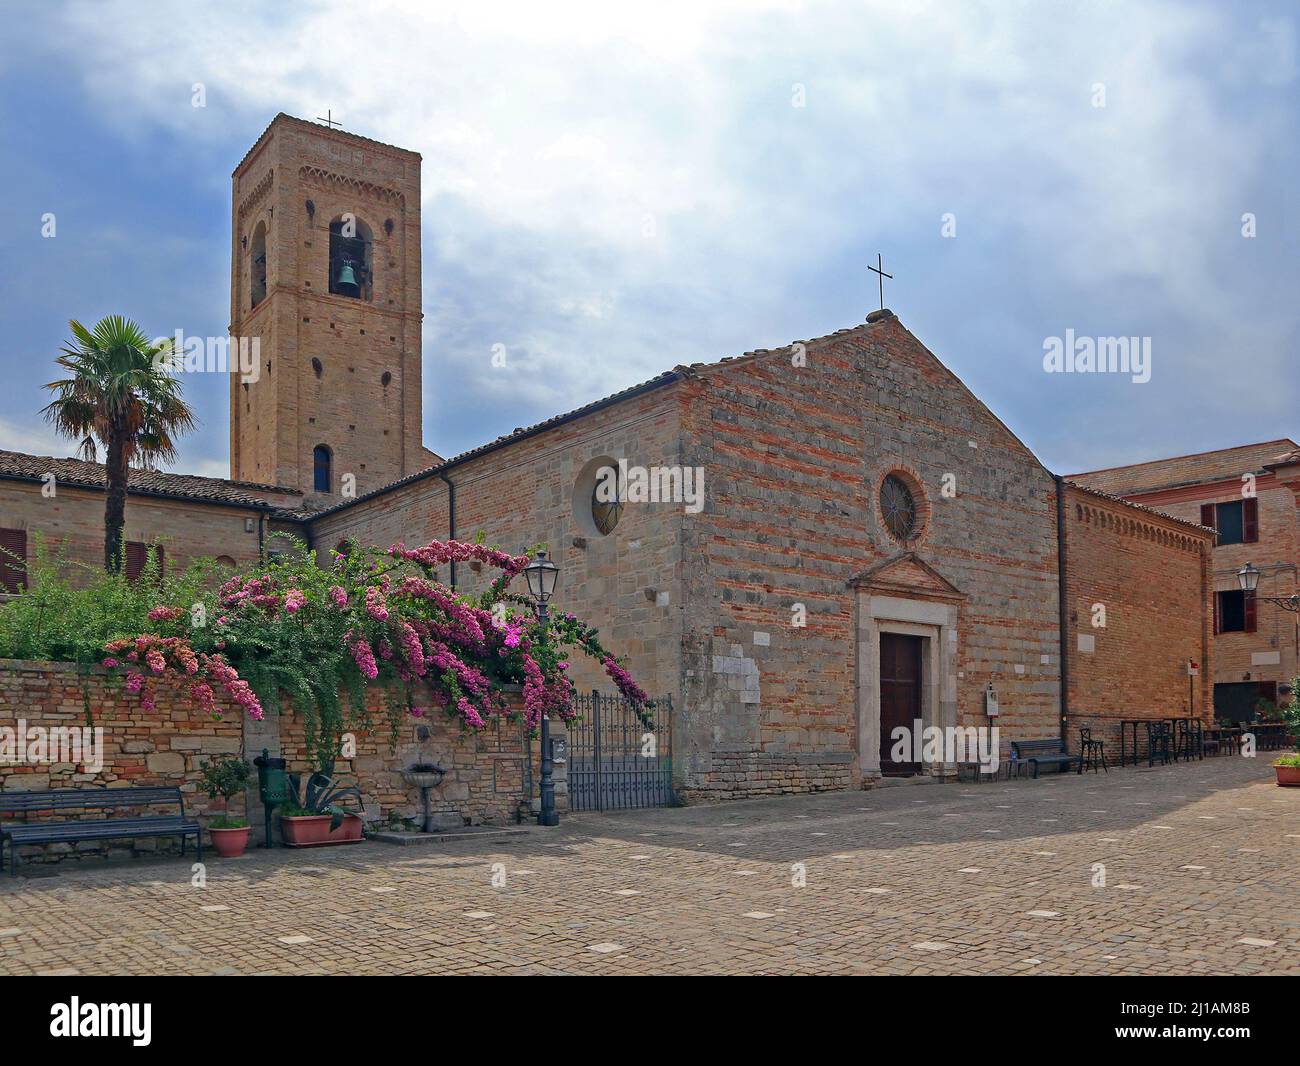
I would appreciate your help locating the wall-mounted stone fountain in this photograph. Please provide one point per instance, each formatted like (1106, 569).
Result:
(426, 776)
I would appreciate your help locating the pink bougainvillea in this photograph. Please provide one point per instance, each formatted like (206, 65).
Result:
(368, 617)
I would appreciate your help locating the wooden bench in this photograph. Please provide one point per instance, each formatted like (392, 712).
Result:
(86, 799)
(1043, 753)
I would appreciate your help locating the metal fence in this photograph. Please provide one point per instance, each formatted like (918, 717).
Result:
(618, 758)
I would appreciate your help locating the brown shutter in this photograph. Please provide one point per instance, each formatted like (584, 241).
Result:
(1248, 609)
(13, 559)
(136, 556)
(1207, 515)
(1214, 603)
(1249, 520)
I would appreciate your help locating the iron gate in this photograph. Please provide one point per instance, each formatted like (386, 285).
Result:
(619, 758)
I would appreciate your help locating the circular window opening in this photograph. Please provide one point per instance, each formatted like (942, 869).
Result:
(898, 507)
(598, 497)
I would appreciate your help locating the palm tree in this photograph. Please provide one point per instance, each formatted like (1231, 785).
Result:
(119, 392)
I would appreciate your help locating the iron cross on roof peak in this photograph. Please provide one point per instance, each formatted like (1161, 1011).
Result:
(330, 120)
(879, 268)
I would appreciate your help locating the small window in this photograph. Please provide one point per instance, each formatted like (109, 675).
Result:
(321, 460)
(13, 559)
(1234, 611)
(317, 367)
(226, 562)
(1236, 522)
(137, 558)
(257, 265)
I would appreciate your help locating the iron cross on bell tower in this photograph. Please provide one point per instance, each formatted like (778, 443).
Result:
(879, 269)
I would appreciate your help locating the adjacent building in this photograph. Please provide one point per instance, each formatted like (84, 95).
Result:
(1247, 495)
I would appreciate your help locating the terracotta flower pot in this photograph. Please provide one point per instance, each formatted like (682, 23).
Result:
(306, 830)
(1288, 776)
(230, 843)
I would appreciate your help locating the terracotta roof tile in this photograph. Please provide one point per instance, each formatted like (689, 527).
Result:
(1223, 464)
(18, 466)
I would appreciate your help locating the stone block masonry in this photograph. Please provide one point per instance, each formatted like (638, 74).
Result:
(163, 747)
(491, 774)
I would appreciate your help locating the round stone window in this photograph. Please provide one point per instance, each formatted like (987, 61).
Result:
(606, 501)
(598, 497)
(898, 507)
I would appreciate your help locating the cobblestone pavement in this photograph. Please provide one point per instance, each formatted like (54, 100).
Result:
(1202, 864)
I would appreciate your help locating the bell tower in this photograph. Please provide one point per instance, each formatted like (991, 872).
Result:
(325, 275)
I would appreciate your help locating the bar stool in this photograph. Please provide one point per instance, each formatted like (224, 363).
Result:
(1157, 742)
(1093, 752)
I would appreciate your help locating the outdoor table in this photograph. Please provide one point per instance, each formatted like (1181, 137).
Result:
(1271, 734)
(1226, 734)
(1124, 724)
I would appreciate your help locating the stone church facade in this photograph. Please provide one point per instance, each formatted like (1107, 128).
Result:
(872, 545)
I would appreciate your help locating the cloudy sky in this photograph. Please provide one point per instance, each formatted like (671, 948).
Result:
(611, 189)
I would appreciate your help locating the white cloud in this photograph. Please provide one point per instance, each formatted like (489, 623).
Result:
(35, 438)
(610, 189)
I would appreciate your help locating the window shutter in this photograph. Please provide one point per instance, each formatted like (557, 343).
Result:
(1215, 606)
(13, 559)
(1207, 516)
(1250, 520)
(1248, 604)
(136, 556)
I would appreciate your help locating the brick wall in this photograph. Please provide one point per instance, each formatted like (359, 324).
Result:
(489, 772)
(1151, 577)
(626, 583)
(163, 747)
(371, 424)
(73, 520)
(1269, 653)
(795, 457)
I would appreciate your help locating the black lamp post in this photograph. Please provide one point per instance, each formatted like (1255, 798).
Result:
(1248, 579)
(542, 575)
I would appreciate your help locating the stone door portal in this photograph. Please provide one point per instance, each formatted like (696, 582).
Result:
(900, 698)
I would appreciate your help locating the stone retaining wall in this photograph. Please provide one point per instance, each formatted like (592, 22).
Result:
(490, 774)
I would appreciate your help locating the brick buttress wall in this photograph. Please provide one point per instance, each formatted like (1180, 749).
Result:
(1139, 592)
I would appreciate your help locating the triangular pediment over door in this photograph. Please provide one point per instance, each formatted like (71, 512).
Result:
(909, 576)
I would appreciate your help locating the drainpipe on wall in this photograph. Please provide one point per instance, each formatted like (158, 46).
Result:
(451, 520)
(1063, 608)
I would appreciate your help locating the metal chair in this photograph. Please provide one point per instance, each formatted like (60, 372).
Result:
(1190, 740)
(1093, 751)
(1157, 742)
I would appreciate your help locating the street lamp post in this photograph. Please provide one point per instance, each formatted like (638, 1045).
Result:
(1248, 579)
(542, 575)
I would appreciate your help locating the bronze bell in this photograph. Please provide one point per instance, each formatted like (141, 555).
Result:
(346, 282)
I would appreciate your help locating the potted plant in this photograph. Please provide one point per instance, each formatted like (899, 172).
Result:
(1287, 769)
(315, 816)
(227, 776)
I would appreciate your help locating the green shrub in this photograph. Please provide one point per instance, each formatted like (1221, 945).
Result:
(70, 610)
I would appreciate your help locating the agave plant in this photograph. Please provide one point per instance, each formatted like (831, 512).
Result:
(322, 795)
